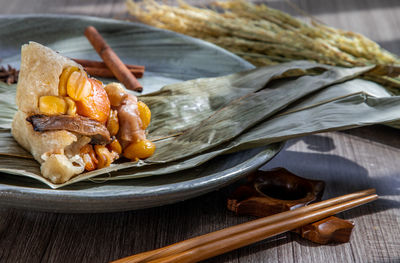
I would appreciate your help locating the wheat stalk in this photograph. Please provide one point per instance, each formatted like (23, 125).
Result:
(265, 36)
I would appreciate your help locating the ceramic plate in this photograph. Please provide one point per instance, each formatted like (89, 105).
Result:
(169, 58)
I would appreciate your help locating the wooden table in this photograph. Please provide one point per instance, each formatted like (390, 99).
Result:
(347, 161)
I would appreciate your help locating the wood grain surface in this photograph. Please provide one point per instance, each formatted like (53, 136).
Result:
(347, 161)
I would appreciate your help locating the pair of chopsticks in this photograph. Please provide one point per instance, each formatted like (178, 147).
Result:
(222, 241)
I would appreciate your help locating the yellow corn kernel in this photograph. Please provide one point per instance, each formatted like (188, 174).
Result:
(52, 105)
(141, 150)
(115, 146)
(78, 86)
(104, 157)
(62, 85)
(71, 106)
(144, 114)
(113, 122)
(115, 93)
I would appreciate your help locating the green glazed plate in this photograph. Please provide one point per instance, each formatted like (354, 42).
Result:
(169, 58)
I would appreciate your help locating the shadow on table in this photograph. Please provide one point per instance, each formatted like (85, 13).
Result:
(341, 175)
(315, 142)
(377, 133)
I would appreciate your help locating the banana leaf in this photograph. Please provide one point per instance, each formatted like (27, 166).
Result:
(236, 114)
(174, 106)
(348, 108)
(247, 111)
(354, 110)
(9, 147)
(7, 104)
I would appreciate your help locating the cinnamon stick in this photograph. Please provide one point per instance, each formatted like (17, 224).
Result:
(113, 62)
(106, 73)
(100, 64)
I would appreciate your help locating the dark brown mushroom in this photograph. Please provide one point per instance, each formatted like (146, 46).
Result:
(77, 124)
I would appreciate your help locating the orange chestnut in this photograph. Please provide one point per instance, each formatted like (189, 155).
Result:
(96, 106)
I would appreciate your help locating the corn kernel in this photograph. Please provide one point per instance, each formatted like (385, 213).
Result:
(113, 123)
(115, 93)
(104, 157)
(141, 149)
(78, 86)
(52, 105)
(144, 114)
(115, 146)
(62, 85)
(71, 106)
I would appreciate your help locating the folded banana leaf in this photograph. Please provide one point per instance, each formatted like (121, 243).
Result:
(348, 108)
(219, 115)
(354, 110)
(174, 106)
(245, 112)
(7, 104)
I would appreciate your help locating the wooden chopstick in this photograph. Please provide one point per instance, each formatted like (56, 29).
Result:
(245, 238)
(212, 240)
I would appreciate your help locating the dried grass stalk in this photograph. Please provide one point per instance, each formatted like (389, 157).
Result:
(266, 36)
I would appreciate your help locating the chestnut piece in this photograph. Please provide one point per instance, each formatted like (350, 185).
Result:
(330, 229)
(270, 192)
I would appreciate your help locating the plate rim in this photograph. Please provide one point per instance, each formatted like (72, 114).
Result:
(56, 196)
(43, 195)
(96, 18)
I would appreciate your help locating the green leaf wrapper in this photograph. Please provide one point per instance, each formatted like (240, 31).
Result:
(227, 114)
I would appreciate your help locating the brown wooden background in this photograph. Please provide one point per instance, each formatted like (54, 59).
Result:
(347, 161)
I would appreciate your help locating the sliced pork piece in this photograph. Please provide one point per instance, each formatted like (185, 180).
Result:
(129, 120)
